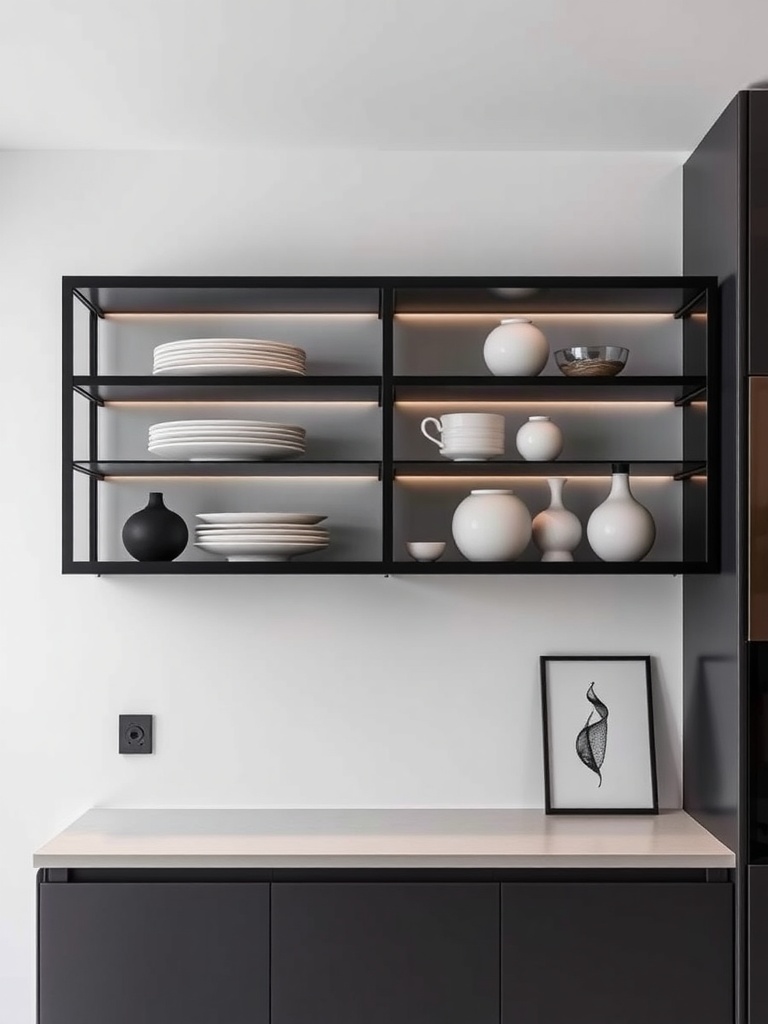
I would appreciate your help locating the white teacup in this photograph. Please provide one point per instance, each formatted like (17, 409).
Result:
(477, 427)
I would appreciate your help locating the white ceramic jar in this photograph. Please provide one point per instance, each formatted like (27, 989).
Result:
(539, 440)
(556, 530)
(491, 526)
(621, 529)
(516, 348)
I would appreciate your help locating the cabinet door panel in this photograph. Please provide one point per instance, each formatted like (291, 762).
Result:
(757, 233)
(385, 953)
(159, 953)
(642, 953)
(758, 944)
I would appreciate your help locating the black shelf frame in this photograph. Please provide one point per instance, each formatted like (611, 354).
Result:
(387, 297)
(161, 470)
(675, 470)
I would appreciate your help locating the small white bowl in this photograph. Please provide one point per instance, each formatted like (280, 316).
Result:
(425, 550)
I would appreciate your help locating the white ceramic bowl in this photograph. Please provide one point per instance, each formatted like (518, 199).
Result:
(425, 550)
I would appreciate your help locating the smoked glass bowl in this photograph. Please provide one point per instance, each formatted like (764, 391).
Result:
(592, 361)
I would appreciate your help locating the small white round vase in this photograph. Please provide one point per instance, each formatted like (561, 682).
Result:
(539, 440)
(621, 529)
(516, 348)
(556, 531)
(491, 526)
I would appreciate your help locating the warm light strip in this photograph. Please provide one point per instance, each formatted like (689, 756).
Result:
(239, 316)
(507, 315)
(241, 479)
(460, 480)
(531, 401)
(204, 401)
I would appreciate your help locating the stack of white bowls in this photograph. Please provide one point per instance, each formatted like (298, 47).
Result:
(467, 436)
(226, 440)
(236, 356)
(260, 536)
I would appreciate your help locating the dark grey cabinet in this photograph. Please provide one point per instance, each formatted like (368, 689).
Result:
(577, 953)
(385, 953)
(755, 221)
(758, 944)
(158, 953)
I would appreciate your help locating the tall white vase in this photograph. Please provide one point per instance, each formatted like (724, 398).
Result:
(491, 526)
(621, 529)
(556, 531)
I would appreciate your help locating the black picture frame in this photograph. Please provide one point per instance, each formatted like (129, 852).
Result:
(550, 801)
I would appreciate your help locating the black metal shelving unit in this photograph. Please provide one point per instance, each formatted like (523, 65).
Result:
(690, 299)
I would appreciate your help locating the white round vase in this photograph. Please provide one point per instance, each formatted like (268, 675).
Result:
(621, 529)
(556, 531)
(539, 440)
(491, 526)
(516, 348)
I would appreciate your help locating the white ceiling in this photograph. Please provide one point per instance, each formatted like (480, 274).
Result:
(395, 74)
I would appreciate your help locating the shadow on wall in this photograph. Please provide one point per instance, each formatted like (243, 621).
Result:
(710, 716)
(667, 740)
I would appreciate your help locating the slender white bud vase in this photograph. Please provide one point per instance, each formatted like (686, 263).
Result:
(516, 348)
(556, 531)
(539, 440)
(491, 526)
(621, 529)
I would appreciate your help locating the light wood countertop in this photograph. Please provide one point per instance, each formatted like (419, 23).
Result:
(408, 838)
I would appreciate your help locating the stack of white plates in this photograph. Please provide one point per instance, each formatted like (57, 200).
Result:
(226, 440)
(237, 356)
(260, 536)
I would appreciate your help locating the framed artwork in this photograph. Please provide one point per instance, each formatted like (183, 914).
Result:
(599, 753)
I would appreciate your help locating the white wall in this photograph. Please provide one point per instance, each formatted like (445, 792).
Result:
(300, 691)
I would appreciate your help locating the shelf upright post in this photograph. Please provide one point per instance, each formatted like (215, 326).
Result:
(387, 426)
(93, 440)
(67, 418)
(714, 435)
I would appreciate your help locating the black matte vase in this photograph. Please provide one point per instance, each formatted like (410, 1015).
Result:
(155, 534)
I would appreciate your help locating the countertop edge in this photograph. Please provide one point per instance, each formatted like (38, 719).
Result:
(75, 861)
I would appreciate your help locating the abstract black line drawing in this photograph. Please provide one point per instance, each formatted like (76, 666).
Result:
(592, 740)
(621, 775)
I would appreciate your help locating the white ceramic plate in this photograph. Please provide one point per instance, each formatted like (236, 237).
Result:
(241, 353)
(471, 457)
(294, 529)
(227, 435)
(267, 550)
(225, 357)
(167, 364)
(296, 353)
(261, 533)
(225, 423)
(205, 428)
(231, 346)
(298, 529)
(235, 370)
(225, 450)
(308, 518)
(274, 442)
(250, 343)
(262, 538)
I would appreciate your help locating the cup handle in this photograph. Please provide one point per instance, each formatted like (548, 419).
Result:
(438, 426)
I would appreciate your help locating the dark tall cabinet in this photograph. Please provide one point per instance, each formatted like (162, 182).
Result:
(726, 616)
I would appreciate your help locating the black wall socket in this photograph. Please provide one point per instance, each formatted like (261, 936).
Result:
(135, 734)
